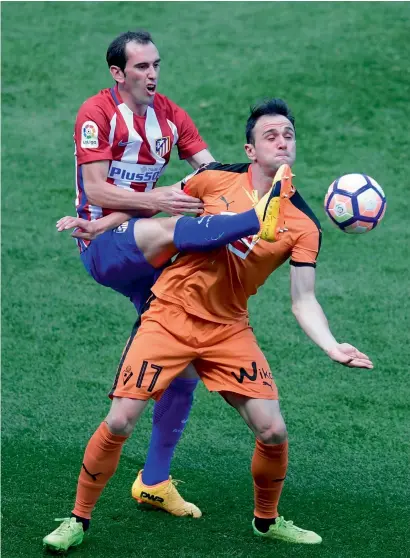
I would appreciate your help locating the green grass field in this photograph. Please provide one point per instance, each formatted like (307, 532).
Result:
(344, 70)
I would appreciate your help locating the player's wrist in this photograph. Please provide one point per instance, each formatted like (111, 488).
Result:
(98, 227)
(330, 347)
(153, 201)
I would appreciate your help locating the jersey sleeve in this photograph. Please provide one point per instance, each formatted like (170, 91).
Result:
(91, 134)
(189, 141)
(306, 249)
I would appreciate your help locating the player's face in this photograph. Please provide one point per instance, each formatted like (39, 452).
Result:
(274, 143)
(141, 72)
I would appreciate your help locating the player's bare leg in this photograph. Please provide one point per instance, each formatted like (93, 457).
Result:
(159, 239)
(154, 237)
(269, 465)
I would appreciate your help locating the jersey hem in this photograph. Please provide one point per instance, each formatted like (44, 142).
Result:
(194, 312)
(192, 150)
(95, 157)
(302, 264)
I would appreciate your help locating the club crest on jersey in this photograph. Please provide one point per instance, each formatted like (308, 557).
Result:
(162, 146)
(89, 135)
(122, 228)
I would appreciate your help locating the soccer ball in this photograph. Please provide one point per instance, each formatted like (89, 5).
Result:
(355, 203)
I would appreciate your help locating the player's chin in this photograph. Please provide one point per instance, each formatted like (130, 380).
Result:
(144, 98)
(283, 160)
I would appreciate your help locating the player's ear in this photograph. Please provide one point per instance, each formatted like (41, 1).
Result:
(117, 74)
(250, 151)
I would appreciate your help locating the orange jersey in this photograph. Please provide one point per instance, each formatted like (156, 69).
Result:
(216, 285)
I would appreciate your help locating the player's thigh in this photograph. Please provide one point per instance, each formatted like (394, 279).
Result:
(154, 237)
(114, 259)
(261, 415)
(154, 354)
(235, 363)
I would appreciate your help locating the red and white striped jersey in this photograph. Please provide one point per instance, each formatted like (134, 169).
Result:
(138, 147)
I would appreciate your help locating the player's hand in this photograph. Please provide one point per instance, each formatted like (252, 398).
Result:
(172, 200)
(84, 229)
(349, 356)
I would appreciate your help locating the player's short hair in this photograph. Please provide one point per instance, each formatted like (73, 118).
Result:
(116, 51)
(268, 106)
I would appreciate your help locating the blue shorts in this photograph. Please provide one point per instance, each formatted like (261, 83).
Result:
(114, 260)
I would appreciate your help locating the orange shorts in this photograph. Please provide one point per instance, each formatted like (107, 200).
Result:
(226, 357)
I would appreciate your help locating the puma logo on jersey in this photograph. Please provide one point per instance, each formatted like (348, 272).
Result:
(226, 202)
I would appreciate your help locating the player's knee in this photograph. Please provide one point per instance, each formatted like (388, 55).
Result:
(124, 414)
(120, 424)
(272, 432)
(120, 421)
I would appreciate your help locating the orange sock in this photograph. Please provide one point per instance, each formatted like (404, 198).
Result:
(101, 458)
(269, 465)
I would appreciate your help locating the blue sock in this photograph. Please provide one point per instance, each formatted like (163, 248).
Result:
(170, 417)
(200, 234)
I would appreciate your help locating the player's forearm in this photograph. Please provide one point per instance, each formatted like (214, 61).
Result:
(112, 221)
(110, 196)
(312, 320)
(201, 158)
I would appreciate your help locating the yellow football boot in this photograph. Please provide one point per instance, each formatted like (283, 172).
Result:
(268, 208)
(165, 496)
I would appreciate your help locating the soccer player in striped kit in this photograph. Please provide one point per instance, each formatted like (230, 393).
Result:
(123, 139)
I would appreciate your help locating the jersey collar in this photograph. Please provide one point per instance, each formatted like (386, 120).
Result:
(115, 94)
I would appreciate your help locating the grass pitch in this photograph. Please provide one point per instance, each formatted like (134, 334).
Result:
(342, 68)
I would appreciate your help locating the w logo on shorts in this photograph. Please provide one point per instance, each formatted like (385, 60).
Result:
(162, 146)
(244, 374)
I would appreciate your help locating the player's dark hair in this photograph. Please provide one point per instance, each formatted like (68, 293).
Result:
(271, 107)
(116, 51)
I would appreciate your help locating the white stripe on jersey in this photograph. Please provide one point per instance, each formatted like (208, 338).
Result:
(174, 131)
(132, 150)
(113, 123)
(95, 211)
(153, 132)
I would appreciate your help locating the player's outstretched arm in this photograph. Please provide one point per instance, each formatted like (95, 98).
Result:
(88, 230)
(312, 320)
(169, 199)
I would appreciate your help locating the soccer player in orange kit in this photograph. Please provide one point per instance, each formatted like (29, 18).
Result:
(198, 312)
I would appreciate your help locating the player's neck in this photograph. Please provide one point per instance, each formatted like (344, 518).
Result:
(137, 108)
(260, 180)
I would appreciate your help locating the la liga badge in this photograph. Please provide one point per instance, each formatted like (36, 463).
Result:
(89, 135)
